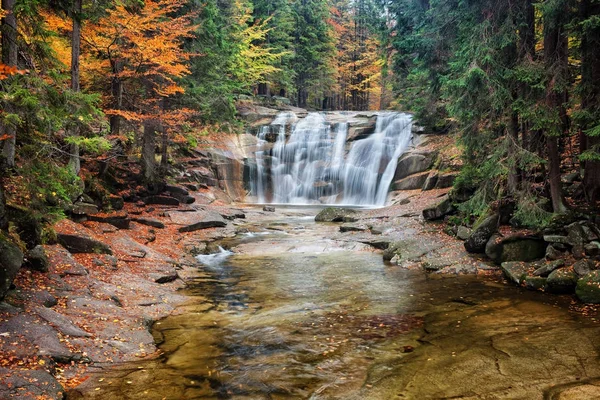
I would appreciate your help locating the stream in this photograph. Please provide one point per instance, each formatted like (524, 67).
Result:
(291, 314)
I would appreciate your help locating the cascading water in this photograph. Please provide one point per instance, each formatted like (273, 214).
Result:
(311, 165)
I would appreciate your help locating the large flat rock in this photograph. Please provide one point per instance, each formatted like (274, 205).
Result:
(29, 385)
(78, 239)
(196, 220)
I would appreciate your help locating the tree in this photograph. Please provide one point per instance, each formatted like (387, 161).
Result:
(9, 58)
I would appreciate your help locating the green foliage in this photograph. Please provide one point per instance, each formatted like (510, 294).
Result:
(532, 213)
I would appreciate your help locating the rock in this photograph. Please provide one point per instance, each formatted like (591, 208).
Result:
(409, 250)
(580, 233)
(562, 280)
(176, 190)
(335, 214)
(194, 221)
(516, 248)
(62, 262)
(588, 288)
(556, 239)
(446, 180)
(120, 220)
(37, 259)
(431, 181)
(411, 182)
(535, 282)
(515, 271)
(269, 208)
(592, 249)
(570, 178)
(440, 210)
(123, 243)
(459, 269)
(11, 259)
(461, 194)
(161, 200)
(78, 239)
(116, 202)
(552, 253)
(61, 323)
(353, 228)
(81, 208)
(476, 243)
(412, 163)
(546, 269)
(583, 267)
(149, 222)
(436, 264)
(463, 232)
(578, 251)
(29, 385)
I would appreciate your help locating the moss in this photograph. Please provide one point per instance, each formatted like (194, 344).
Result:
(588, 288)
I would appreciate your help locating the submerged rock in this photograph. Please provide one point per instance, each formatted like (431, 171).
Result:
(334, 214)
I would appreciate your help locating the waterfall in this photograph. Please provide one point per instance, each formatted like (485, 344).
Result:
(306, 161)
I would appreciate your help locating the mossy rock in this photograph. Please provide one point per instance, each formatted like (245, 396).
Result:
(588, 288)
(334, 214)
(535, 282)
(11, 259)
(562, 280)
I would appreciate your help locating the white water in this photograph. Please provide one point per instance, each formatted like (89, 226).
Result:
(311, 166)
(216, 259)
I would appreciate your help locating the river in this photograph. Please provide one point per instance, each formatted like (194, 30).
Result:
(292, 314)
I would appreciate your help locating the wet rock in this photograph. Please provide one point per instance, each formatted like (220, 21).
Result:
(515, 248)
(440, 210)
(334, 214)
(81, 208)
(583, 267)
(552, 253)
(548, 268)
(482, 233)
(29, 385)
(592, 249)
(516, 271)
(463, 232)
(409, 250)
(562, 280)
(78, 239)
(381, 243)
(459, 269)
(161, 200)
(588, 288)
(411, 182)
(11, 259)
(436, 264)
(149, 222)
(37, 259)
(269, 208)
(412, 163)
(535, 282)
(61, 323)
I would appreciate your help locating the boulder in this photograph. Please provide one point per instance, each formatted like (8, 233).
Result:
(118, 220)
(440, 210)
(546, 269)
(588, 288)
(269, 208)
(476, 243)
(446, 180)
(516, 248)
(11, 259)
(463, 232)
(409, 250)
(176, 190)
(516, 271)
(335, 214)
(552, 253)
(461, 194)
(78, 239)
(37, 259)
(562, 280)
(194, 221)
(535, 282)
(81, 208)
(116, 202)
(412, 163)
(592, 249)
(431, 181)
(556, 239)
(360, 129)
(353, 228)
(411, 182)
(583, 267)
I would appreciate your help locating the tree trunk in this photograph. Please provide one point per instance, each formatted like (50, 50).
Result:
(164, 150)
(9, 57)
(590, 97)
(555, 57)
(513, 174)
(74, 159)
(148, 151)
(116, 88)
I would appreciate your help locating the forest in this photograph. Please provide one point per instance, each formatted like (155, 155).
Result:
(517, 82)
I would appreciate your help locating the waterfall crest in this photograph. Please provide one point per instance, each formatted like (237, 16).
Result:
(307, 161)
